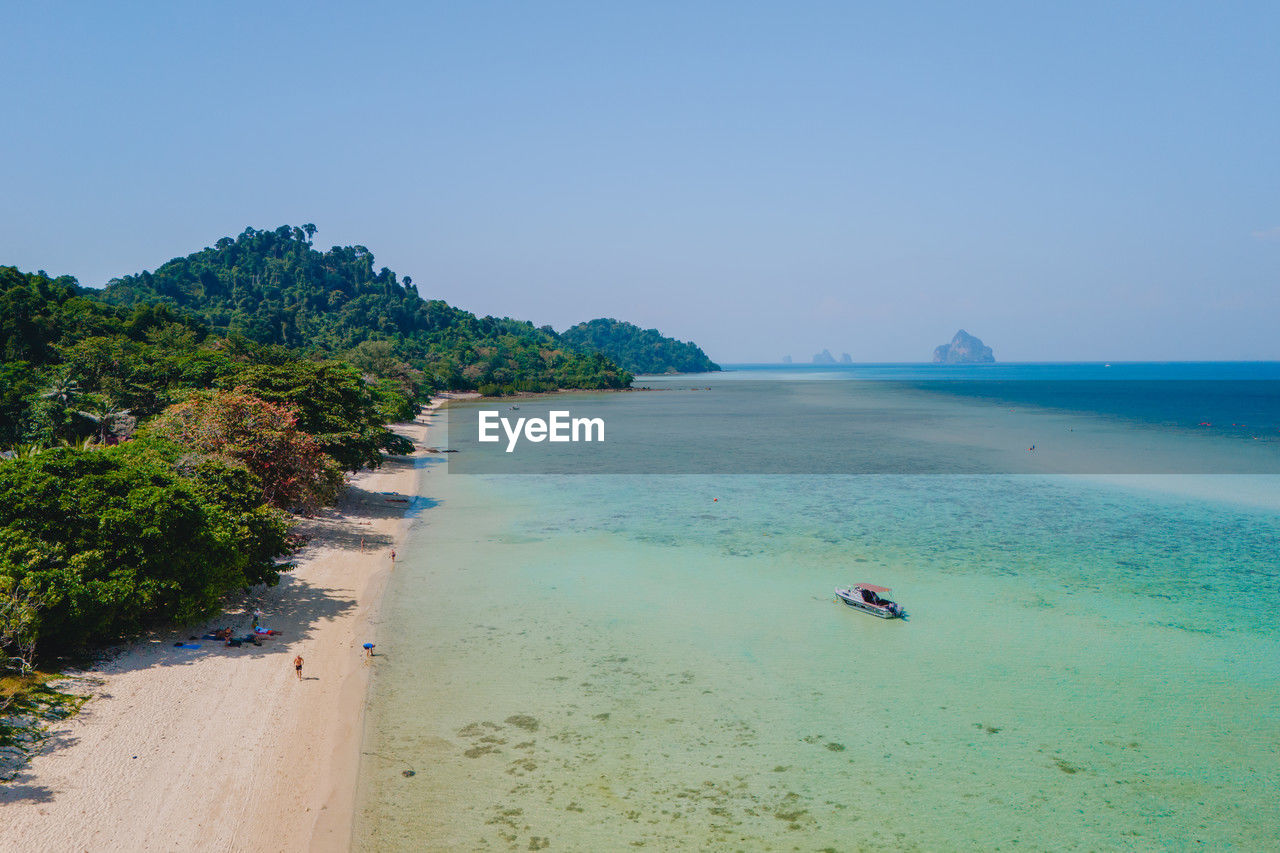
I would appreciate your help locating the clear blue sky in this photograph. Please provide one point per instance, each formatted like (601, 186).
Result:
(1067, 181)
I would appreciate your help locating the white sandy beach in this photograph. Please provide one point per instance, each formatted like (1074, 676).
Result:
(223, 748)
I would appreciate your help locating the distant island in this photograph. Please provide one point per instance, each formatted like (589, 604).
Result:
(637, 350)
(963, 349)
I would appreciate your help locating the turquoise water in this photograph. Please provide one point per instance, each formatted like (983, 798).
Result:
(625, 662)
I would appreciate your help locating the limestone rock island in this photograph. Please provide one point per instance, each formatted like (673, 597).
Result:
(964, 349)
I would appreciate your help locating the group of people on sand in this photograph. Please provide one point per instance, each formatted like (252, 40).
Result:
(228, 636)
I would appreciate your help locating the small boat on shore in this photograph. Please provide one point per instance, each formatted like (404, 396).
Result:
(871, 599)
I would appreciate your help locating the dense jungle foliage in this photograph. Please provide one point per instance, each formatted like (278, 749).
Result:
(273, 287)
(638, 350)
(111, 540)
(149, 465)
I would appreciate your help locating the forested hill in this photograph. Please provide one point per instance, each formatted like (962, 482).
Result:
(638, 350)
(149, 466)
(273, 287)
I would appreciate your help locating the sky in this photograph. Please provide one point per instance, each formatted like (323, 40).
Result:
(1068, 181)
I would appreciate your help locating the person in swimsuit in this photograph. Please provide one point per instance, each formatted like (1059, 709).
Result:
(297, 666)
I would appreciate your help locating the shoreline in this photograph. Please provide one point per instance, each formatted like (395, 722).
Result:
(214, 747)
(334, 825)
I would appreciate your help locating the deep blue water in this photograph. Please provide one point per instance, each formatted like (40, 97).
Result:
(1056, 370)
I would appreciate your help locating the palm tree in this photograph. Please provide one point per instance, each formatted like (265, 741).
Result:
(63, 390)
(102, 412)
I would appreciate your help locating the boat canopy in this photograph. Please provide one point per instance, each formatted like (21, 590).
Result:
(873, 587)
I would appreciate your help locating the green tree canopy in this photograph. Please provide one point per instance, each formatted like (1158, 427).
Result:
(332, 402)
(114, 539)
(293, 472)
(638, 350)
(273, 287)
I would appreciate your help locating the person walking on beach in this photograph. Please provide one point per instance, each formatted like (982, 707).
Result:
(297, 666)
(393, 555)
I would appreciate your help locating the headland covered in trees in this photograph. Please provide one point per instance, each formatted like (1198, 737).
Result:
(159, 435)
(638, 350)
(274, 287)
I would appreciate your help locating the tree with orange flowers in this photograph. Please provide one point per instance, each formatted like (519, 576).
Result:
(262, 437)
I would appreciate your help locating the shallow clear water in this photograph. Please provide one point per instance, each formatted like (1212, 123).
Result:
(601, 663)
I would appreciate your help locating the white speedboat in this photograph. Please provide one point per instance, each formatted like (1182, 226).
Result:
(871, 599)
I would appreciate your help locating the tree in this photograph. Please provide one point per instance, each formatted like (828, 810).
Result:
(30, 305)
(52, 415)
(19, 381)
(262, 437)
(111, 423)
(63, 391)
(636, 349)
(332, 402)
(19, 611)
(112, 540)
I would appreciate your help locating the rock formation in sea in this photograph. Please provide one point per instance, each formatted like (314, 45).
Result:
(786, 359)
(824, 357)
(963, 349)
(845, 358)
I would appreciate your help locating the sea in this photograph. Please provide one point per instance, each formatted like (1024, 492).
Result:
(635, 643)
